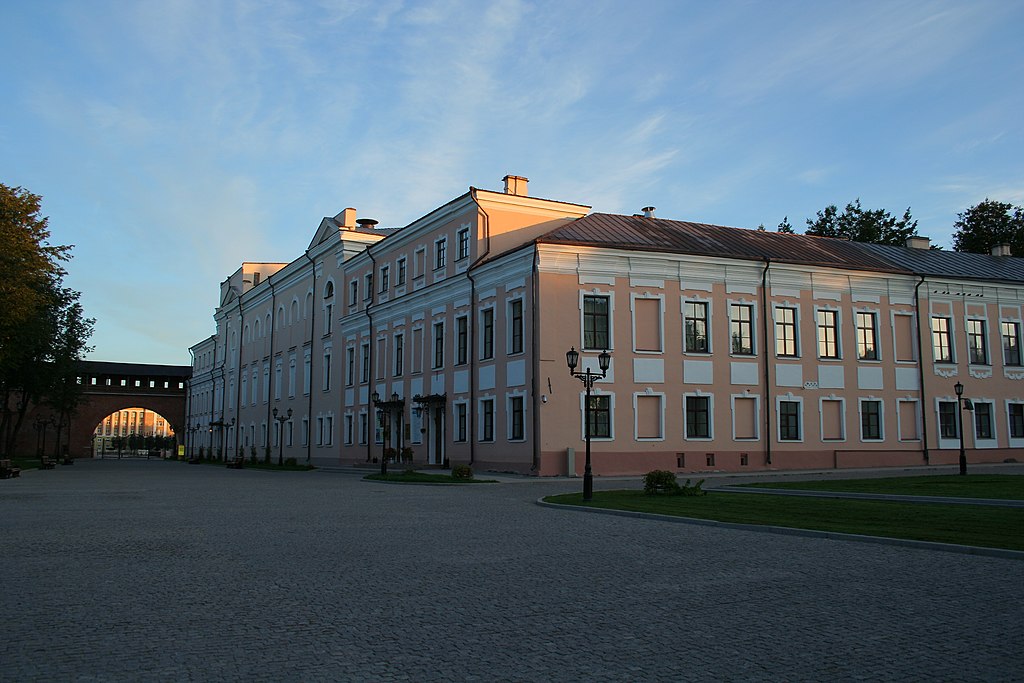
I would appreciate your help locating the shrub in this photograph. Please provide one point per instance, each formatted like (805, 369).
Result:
(290, 462)
(390, 454)
(695, 490)
(407, 454)
(660, 481)
(462, 472)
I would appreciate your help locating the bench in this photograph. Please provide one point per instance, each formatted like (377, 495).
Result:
(48, 464)
(237, 463)
(7, 470)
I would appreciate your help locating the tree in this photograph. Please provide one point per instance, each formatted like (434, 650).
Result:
(861, 225)
(45, 335)
(786, 227)
(987, 224)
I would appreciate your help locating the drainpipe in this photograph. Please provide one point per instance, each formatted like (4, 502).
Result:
(534, 349)
(767, 380)
(920, 370)
(370, 359)
(189, 445)
(270, 376)
(238, 394)
(312, 330)
(472, 326)
(213, 381)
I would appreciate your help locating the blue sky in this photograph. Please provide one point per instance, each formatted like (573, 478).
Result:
(172, 140)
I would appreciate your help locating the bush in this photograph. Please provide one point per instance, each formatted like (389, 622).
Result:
(660, 481)
(462, 472)
(290, 462)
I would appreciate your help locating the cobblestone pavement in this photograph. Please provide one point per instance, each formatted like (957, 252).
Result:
(163, 571)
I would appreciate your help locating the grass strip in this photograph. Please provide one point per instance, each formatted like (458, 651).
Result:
(422, 478)
(988, 486)
(974, 525)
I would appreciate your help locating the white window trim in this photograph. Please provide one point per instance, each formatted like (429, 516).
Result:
(878, 335)
(881, 415)
(757, 417)
(611, 415)
(913, 332)
(710, 324)
(494, 331)
(899, 420)
(434, 267)
(796, 328)
(1014, 442)
(633, 297)
(943, 443)
(480, 417)
(842, 418)
(952, 340)
(508, 325)
(994, 441)
(789, 397)
(508, 416)
(754, 347)
(988, 342)
(711, 416)
(839, 334)
(455, 421)
(610, 295)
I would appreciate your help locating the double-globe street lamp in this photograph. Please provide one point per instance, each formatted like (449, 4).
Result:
(281, 419)
(588, 377)
(961, 404)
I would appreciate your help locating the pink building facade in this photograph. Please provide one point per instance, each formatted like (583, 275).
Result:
(732, 349)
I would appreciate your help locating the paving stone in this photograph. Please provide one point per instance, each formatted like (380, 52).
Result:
(157, 571)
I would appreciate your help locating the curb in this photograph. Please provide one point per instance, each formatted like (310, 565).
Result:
(891, 497)
(809, 533)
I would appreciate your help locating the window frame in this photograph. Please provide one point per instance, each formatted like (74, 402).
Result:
(692, 320)
(821, 327)
(872, 422)
(789, 343)
(1014, 348)
(945, 334)
(590, 320)
(514, 336)
(738, 325)
(977, 341)
(867, 349)
(708, 412)
(798, 416)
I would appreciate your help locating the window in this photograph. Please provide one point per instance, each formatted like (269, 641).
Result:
(328, 430)
(977, 348)
(353, 292)
(982, 420)
(785, 331)
(463, 243)
(1011, 342)
(364, 428)
(487, 419)
(367, 286)
(515, 326)
(440, 253)
(647, 324)
(348, 430)
(385, 279)
(741, 329)
(439, 345)
(947, 420)
(461, 340)
(595, 323)
(305, 431)
(400, 277)
(698, 423)
(600, 414)
(867, 336)
(399, 354)
(942, 349)
(696, 321)
(320, 431)
(828, 334)
(350, 366)
(1015, 412)
(789, 420)
(365, 363)
(419, 263)
(487, 333)
(460, 422)
(871, 420)
(516, 418)
(327, 370)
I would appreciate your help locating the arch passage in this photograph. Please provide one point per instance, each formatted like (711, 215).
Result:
(133, 430)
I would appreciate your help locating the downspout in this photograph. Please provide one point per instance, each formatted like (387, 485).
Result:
(767, 380)
(270, 375)
(189, 445)
(238, 394)
(370, 358)
(312, 330)
(472, 326)
(920, 370)
(535, 350)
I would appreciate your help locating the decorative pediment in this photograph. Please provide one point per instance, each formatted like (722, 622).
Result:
(328, 228)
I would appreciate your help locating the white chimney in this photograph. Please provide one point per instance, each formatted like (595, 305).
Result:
(918, 242)
(1002, 249)
(516, 184)
(648, 211)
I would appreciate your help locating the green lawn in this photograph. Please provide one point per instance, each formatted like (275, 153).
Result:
(1001, 486)
(422, 478)
(975, 525)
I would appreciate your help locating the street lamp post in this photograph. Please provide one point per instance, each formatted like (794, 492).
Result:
(572, 359)
(961, 404)
(379, 405)
(281, 419)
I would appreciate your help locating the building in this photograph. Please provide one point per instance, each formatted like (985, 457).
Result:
(731, 349)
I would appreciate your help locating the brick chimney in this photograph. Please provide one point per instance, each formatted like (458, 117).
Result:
(516, 184)
(918, 242)
(346, 219)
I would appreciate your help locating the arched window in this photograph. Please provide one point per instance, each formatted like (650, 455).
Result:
(329, 289)
(295, 312)
(308, 305)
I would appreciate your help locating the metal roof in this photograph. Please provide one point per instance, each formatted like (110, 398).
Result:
(641, 233)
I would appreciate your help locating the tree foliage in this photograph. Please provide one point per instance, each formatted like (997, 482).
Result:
(43, 331)
(987, 224)
(786, 227)
(857, 224)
